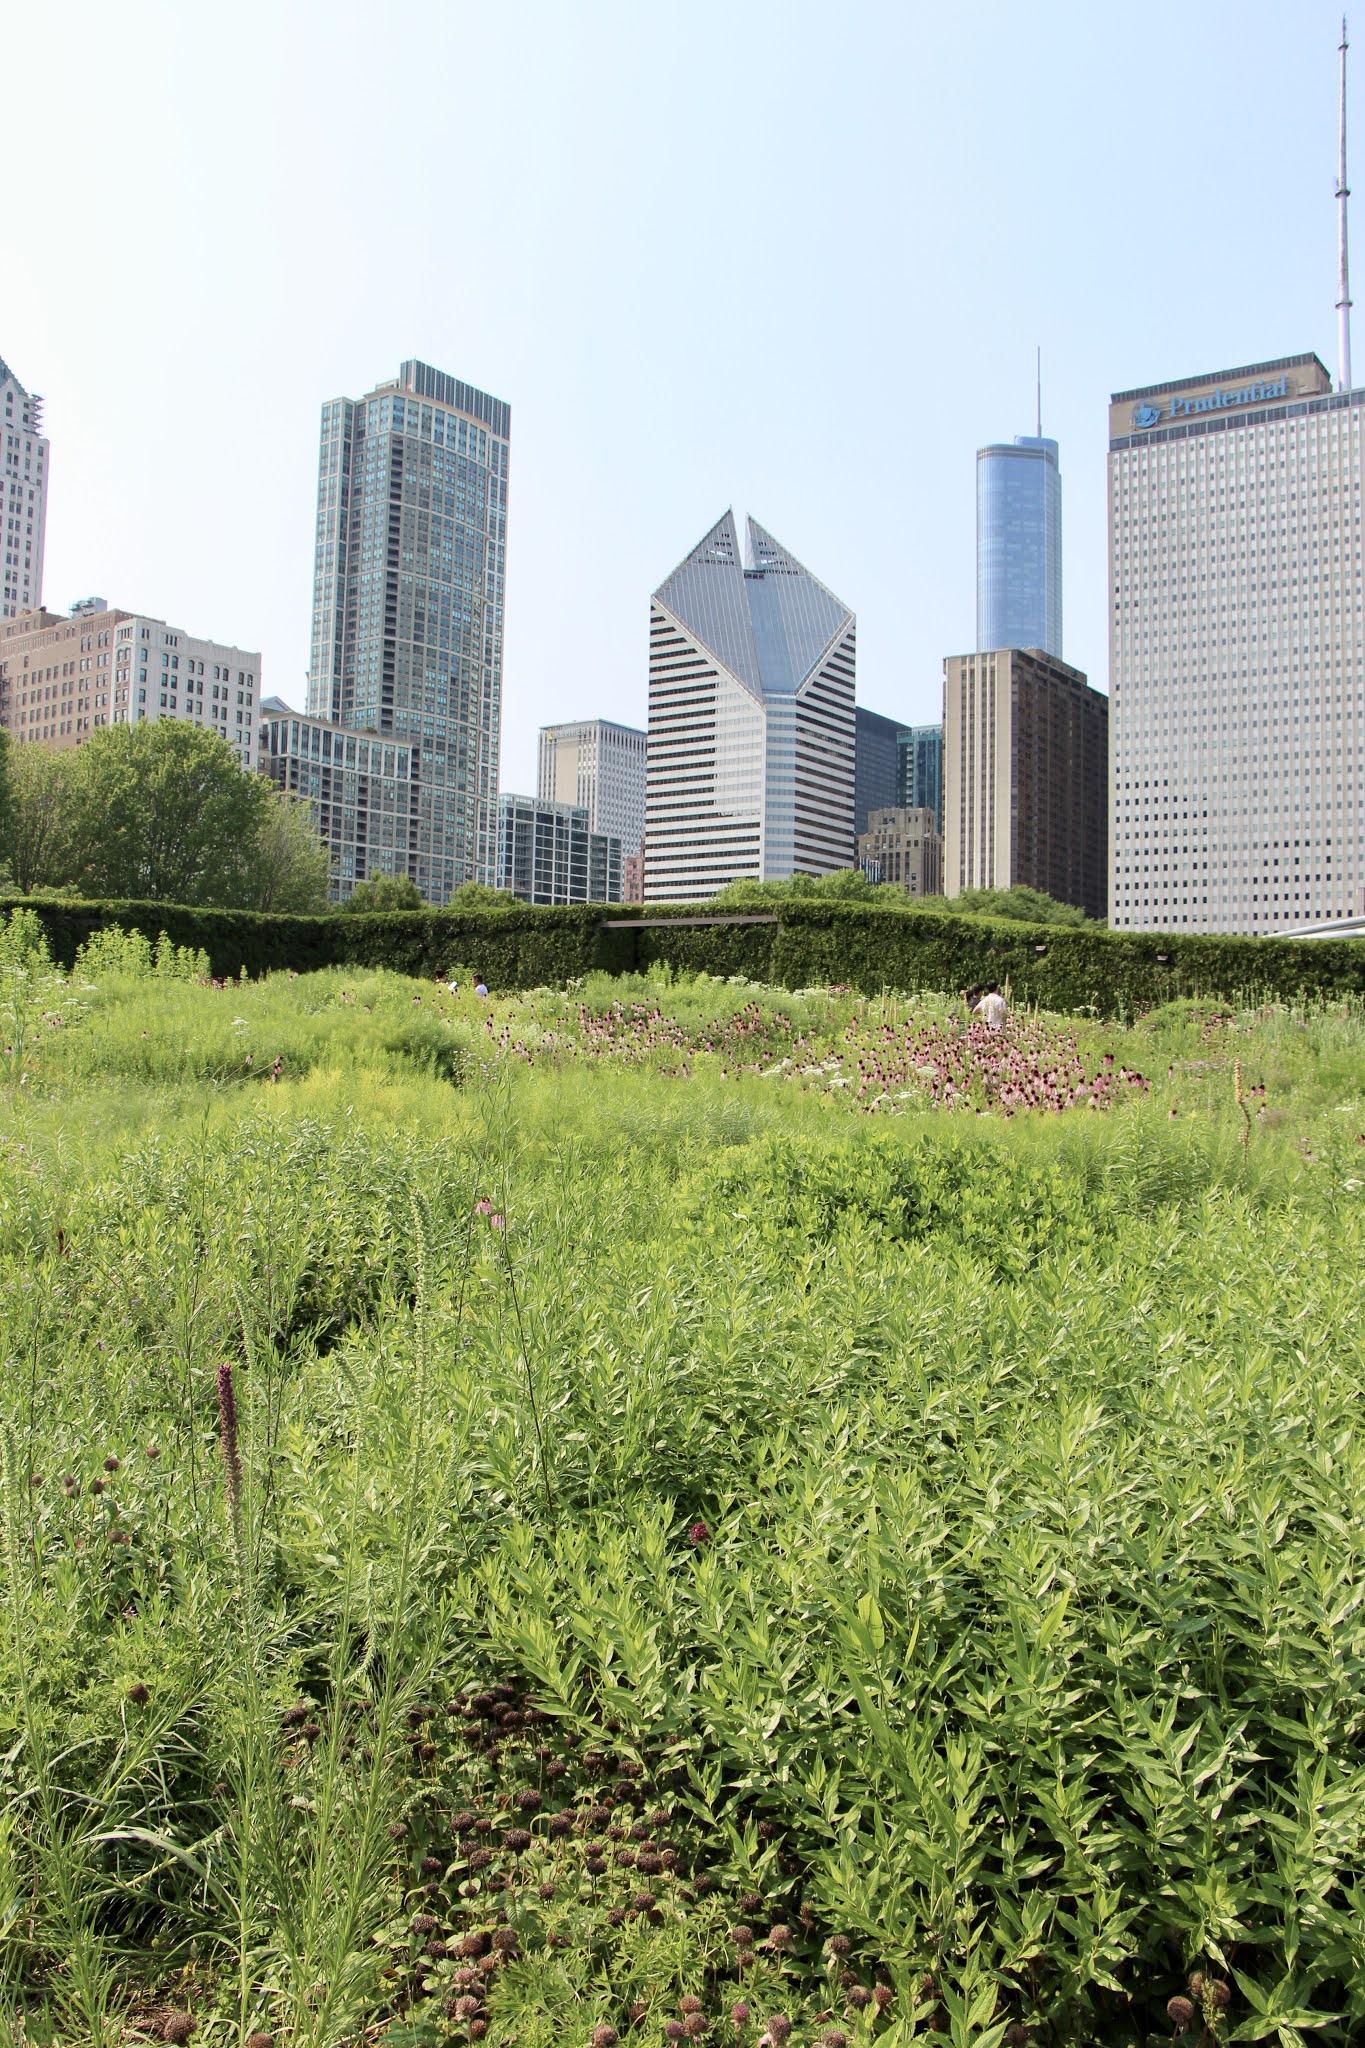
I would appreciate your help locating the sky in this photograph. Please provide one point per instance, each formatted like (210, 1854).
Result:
(794, 260)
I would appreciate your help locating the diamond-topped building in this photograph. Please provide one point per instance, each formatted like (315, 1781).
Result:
(407, 632)
(751, 720)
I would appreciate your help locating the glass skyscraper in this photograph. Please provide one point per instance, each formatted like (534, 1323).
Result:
(1019, 545)
(408, 609)
(919, 772)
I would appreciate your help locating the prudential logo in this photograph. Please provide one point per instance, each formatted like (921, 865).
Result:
(1145, 415)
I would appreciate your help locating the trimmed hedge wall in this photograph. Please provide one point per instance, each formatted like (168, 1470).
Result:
(810, 945)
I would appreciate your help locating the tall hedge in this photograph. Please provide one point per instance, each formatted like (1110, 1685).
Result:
(807, 945)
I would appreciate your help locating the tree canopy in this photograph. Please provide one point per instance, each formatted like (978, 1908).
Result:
(385, 892)
(158, 812)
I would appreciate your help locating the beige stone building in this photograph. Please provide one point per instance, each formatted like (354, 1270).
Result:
(903, 846)
(1025, 777)
(63, 678)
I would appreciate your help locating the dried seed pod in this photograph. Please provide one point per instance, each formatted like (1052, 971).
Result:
(1180, 2012)
(604, 2036)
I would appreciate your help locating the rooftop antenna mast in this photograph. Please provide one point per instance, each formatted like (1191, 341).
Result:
(1343, 273)
(1040, 391)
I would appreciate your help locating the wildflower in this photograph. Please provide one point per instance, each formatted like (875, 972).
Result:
(739, 2013)
(673, 2030)
(643, 1902)
(859, 1997)
(778, 2029)
(481, 1859)
(779, 1938)
(261, 2040)
(398, 1831)
(1180, 2013)
(111, 1463)
(227, 1427)
(1017, 2036)
(834, 2037)
(139, 1694)
(177, 2026)
(431, 1866)
(882, 1995)
(689, 2004)
(505, 1940)
(695, 2025)
(528, 1801)
(547, 1891)
(97, 1486)
(742, 1937)
(423, 1924)
(604, 2036)
(698, 1534)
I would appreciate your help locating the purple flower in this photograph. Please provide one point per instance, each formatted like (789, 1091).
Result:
(698, 1534)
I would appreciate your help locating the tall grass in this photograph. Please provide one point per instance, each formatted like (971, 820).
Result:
(954, 1522)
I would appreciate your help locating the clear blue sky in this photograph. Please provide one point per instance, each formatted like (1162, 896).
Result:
(793, 259)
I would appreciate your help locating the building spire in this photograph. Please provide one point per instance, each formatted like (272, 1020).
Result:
(1343, 271)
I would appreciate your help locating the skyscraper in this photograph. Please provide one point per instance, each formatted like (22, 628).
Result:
(751, 689)
(1025, 777)
(1019, 545)
(408, 605)
(876, 765)
(600, 766)
(919, 774)
(23, 496)
(1237, 650)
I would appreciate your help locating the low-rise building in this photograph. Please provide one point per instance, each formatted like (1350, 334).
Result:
(364, 790)
(548, 854)
(903, 846)
(63, 678)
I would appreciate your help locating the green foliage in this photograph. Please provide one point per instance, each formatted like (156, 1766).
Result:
(111, 952)
(844, 885)
(36, 824)
(1022, 904)
(159, 812)
(810, 943)
(384, 892)
(421, 1418)
(290, 864)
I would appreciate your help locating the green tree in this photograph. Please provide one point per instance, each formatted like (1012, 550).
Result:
(162, 812)
(36, 818)
(844, 885)
(1027, 906)
(478, 896)
(291, 867)
(386, 892)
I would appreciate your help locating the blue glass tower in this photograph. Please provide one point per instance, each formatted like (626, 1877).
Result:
(1019, 545)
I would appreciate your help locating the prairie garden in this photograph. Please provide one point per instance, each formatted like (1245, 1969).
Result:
(670, 1510)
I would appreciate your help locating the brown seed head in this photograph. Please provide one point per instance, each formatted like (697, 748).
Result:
(177, 2026)
(778, 2029)
(690, 2004)
(604, 2036)
(1180, 2012)
(139, 1694)
(261, 2040)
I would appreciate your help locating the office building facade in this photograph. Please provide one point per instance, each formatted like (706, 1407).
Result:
(599, 766)
(64, 678)
(1025, 777)
(751, 721)
(919, 770)
(876, 765)
(24, 457)
(548, 853)
(902, 846)
(409, 578)
(364, 792)
(1019, 545)
(1237, 650)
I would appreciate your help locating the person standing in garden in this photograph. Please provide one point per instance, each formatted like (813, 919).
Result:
(992, 1008)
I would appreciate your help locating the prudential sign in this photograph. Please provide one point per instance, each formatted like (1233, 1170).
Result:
(1150, 414)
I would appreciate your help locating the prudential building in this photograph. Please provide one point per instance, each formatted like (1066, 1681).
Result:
(1237, 651)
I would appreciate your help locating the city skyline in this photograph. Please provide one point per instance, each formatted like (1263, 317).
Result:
(622, 370)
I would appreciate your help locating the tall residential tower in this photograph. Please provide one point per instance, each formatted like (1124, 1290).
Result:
(1237, 650)
(408, 607)
(751, 727)
(1019, 545)
(23, 497)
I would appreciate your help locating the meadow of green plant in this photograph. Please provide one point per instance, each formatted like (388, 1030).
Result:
(674, 1511)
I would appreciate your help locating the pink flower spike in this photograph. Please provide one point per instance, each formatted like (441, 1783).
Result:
(483, 1207)
(698, 1534)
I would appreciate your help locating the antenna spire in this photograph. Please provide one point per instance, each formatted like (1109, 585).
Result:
(1040, 391)
(1343, 272)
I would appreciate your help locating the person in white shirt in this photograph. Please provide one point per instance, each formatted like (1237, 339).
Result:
(992, 1008)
